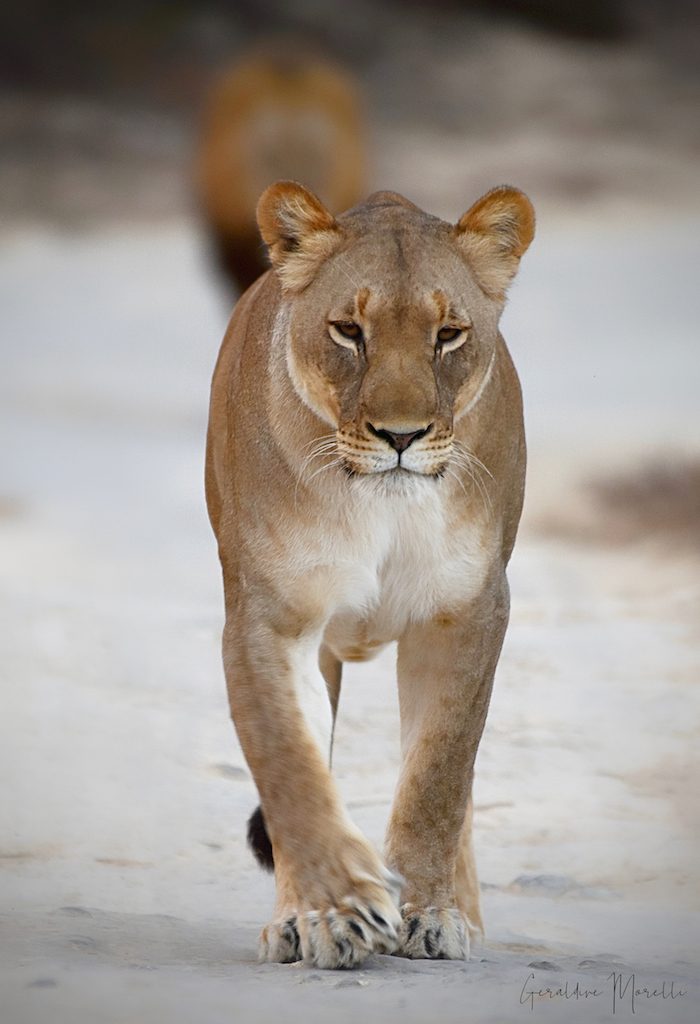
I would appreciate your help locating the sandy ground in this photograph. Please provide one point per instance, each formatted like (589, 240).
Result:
(126, 890)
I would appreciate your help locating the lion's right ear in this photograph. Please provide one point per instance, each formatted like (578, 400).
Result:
(299, 232)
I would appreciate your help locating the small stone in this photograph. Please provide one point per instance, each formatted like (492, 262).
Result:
(230, 771)
(544, 965)
(74, 911)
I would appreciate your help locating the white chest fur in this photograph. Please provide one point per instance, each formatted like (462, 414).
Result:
(434, 562)
(383, 561)
(389, 559)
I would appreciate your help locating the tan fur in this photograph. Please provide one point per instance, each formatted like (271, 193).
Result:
(280, 112)
(332, 548)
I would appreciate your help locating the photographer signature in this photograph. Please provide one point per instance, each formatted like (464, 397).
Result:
(622, 989)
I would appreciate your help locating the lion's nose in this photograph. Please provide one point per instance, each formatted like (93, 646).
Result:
(398, 441)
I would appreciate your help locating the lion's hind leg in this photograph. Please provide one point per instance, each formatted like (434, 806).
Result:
(467, 890)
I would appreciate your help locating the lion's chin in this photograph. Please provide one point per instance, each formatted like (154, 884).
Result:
(397, 472)
(393, 481)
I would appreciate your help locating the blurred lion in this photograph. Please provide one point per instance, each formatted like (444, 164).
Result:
(280, 113)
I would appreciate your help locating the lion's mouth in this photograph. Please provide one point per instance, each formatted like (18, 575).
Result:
(396, 472)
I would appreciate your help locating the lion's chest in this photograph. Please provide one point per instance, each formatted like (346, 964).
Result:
(403, 561)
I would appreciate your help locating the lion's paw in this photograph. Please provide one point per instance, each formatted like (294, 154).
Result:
(346, 906)
(345, 936)
(279, 941)
(431, 933)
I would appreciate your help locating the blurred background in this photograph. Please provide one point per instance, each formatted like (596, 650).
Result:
(134, 141)
(101, 104)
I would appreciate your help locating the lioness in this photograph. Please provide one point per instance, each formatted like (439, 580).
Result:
(365, 471)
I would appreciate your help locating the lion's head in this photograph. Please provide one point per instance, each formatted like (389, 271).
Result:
(392, 316)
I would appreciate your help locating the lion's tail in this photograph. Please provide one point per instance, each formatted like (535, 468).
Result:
(259, 840)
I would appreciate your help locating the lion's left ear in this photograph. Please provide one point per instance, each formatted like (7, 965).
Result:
(494, 234)
(298, 230)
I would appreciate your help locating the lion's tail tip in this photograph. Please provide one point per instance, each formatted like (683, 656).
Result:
(259, 840)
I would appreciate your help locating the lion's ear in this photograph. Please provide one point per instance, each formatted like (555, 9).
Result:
(298, 231)
(494, 234)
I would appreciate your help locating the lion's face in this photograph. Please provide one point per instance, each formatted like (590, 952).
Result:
(392, 320)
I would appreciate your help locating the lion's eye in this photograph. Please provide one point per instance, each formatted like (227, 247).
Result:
(349, 330)
(449, 338)
(346, 333)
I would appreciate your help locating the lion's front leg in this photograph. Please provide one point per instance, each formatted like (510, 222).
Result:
(446, 669)
(336, 902)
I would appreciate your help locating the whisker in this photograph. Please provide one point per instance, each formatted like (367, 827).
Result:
(323, 449)
(316, 440)
(451, 473)
(310, 458)
(329, 465)
(472, 457)
(462, 457)
(320, 446)
(324, 446)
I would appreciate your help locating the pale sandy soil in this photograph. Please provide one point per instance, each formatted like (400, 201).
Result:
(126, 890)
